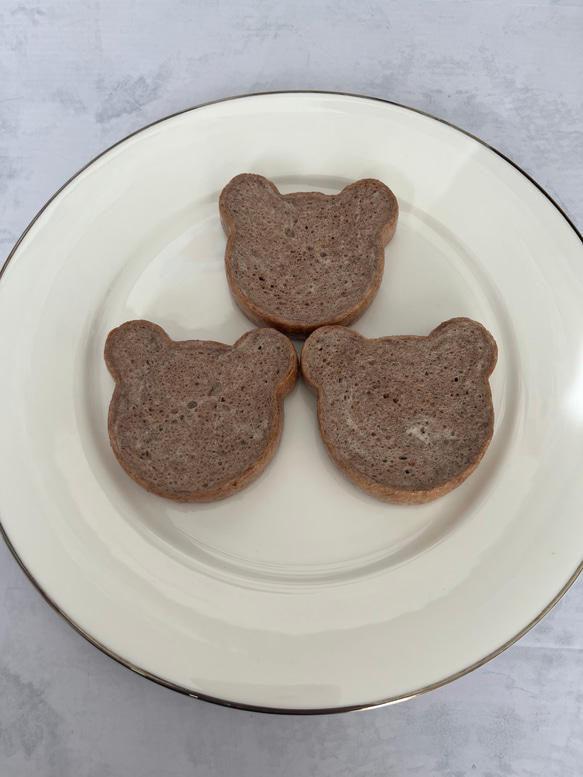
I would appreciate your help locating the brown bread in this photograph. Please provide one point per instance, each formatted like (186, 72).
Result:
(197, 421)
(406, 419)
(299, 261)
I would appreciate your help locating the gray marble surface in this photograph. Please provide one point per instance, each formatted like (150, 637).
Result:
(76, 77)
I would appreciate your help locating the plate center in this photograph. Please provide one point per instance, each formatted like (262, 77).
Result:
(301, 522)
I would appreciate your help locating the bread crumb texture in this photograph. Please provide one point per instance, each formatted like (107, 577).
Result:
(406, 418)
(196, 420)
(301, 260)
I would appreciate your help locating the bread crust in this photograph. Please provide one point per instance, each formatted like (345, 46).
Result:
(360, 479)
(293, 327)
(234, 485)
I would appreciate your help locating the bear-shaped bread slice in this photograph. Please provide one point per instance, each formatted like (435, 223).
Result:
(193, 420)
(300, 261)
(406, 419)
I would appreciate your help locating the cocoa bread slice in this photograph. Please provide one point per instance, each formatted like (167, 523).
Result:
(406, 419)
(300, 261)
(196, 421)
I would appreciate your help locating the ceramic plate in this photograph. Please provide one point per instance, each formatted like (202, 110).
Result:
(300, 593)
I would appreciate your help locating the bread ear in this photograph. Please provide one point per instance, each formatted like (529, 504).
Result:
(239, 197)
(132, 344)
(479, 344)
(372, 201)
(323, 350)
(269, 347)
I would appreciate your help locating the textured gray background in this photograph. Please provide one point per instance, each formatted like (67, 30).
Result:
(78, 76)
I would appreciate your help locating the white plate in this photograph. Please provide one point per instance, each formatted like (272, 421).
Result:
(300, 593)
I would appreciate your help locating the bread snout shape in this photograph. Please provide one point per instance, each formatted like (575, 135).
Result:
(193, 420)
(303, 260)
(407, 419)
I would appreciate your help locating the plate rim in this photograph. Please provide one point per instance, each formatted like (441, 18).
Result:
(217, 700)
